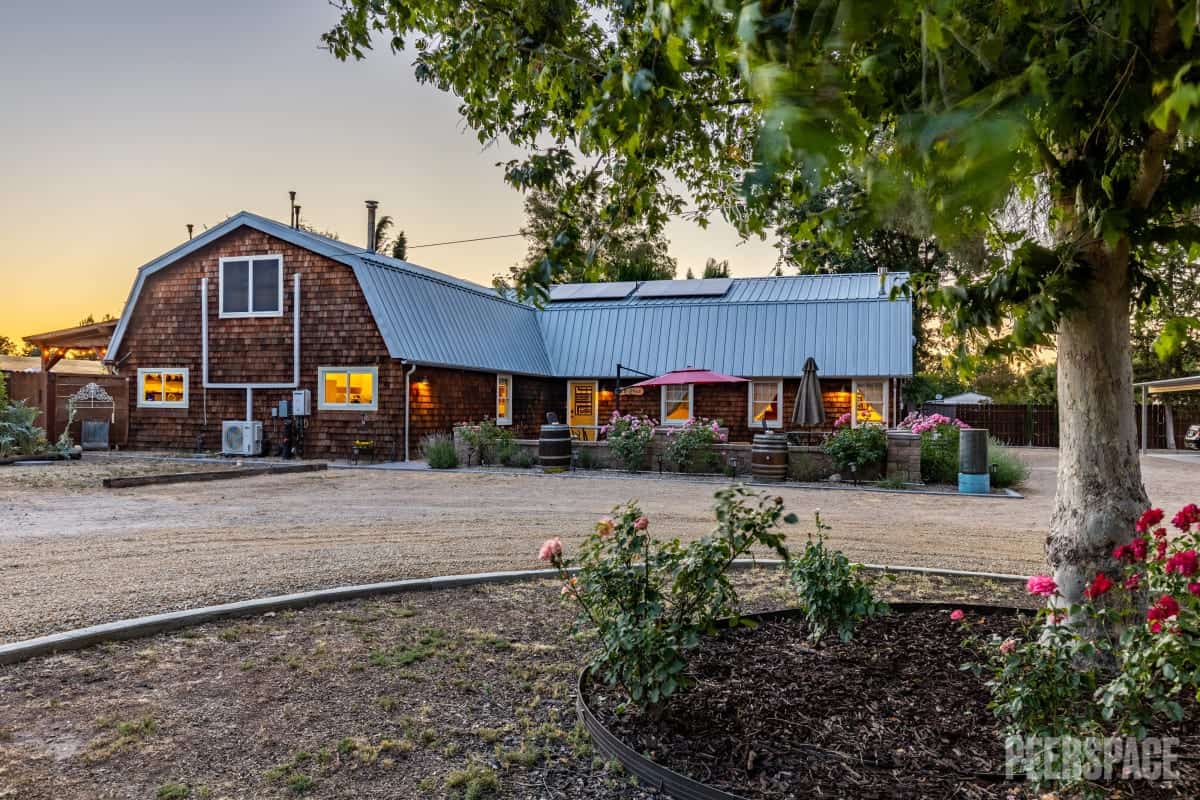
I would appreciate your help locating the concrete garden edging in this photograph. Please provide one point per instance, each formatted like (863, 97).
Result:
(140, 627)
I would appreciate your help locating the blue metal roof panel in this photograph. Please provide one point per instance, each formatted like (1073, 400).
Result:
(757, 339)
(437, 322)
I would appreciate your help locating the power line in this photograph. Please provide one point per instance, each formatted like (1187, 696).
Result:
(464, 241)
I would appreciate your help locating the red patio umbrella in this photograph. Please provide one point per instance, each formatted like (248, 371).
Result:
(689, 375)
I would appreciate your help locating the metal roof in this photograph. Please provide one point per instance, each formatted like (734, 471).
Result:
(424, 316)
(759, 327)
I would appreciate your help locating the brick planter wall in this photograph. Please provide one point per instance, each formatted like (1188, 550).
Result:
(904, 456)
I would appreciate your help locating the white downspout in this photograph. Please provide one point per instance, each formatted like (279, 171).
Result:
(407, 404)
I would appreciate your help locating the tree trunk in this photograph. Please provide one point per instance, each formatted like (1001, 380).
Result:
(1100, 492)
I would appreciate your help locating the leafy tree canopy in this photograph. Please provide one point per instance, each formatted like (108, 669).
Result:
(589, 249)
(946, 113)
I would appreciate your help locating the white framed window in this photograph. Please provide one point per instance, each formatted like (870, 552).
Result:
(348, 388)
(869, 402)
(251, 286)
(504, 399)
(676, 404)
(162, 387)
(765, 404)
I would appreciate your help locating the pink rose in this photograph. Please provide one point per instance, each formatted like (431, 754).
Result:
(605, 526)
(1133, 581)
(641, 523)
(1137, 549)
(1008, 645)
(570, 587)
(551, 549)
(1042, 585)
(957, 614)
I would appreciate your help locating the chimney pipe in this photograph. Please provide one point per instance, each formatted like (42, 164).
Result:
(371, 206)
(292, 203)
(296, 225)
(189, 227)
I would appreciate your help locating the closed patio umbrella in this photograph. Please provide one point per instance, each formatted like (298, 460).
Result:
(809, 409)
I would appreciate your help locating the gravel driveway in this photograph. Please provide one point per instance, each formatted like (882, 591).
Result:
(73, 554)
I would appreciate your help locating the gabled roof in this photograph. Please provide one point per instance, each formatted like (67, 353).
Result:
(760, 327)
(755, 327)
(424, 316)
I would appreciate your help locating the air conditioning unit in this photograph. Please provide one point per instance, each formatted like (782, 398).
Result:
(240, 438)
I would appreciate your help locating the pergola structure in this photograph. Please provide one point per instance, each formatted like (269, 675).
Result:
(1164, 386)
(55, 345)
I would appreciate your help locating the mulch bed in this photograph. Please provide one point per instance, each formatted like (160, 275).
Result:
(888, 715)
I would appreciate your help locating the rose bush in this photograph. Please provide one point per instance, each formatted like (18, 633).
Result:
(651, 601)
(833, 594)
(629, 438)
(1120, 661)
(857, 447)
(690, 446)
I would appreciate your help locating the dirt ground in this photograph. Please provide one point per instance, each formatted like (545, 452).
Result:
(449, 694)
(73, 554)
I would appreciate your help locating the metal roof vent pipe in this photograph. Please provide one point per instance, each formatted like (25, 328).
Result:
(883, 275)
(292, 203)
(371, 206)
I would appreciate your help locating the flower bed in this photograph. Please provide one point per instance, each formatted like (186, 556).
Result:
(888, 714)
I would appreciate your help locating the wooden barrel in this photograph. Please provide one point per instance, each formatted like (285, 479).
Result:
(554, 448)
(769, 457)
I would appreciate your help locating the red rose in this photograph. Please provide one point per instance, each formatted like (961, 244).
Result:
(1185, 563)
(1194, 588)
(1160, 549)
(1149, 519)
(1188, 516)
(1133, 581)
(1099, 586)
(1137, 549)
(1165, 608)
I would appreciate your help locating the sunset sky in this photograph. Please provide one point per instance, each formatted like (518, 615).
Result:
(121, 122)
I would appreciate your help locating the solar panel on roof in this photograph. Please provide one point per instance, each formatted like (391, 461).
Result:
(568, 292)
(702, 287)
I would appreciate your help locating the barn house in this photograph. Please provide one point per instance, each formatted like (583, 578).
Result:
(229, 324)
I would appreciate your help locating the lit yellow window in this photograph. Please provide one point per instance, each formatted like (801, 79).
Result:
(162, 388)
(503, 399)
(870, 401)
(766, 398)
(676, 404)
(349, 388)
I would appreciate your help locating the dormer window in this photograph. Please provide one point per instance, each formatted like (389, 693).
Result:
(251, 286)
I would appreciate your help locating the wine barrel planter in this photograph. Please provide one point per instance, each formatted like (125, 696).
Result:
(554, 448)
(681, 787)
(769, 457)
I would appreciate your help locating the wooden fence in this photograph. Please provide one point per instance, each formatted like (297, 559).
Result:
(1037, 425)
(1024, 425)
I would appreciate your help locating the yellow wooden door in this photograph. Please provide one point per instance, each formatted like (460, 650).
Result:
(582, 412)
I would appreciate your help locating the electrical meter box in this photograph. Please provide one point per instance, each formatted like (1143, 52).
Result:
(301, 403)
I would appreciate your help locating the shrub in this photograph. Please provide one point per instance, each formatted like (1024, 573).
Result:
(588, 459)
(438, 449)
(1009, 469)
(650, 600)
(833, 595)
(690, 446)
(629, 439)
(522, 459)
(857, 447)
(939, 454)
(1119, 661)
(492, 443)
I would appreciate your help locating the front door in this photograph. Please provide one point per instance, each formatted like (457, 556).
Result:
(582, 413)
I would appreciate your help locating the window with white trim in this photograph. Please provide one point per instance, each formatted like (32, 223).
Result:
(162, 387)
(766, 404)
(676, 404)
(870, 402)
(348, 389)
(251, 286)
(504, 399)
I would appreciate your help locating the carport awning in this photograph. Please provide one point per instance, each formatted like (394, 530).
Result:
(1168, 385)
